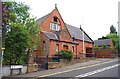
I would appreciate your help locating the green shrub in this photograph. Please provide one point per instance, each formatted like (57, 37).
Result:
(105, 47)
(66, 54)
(102, 47)
(96, 48)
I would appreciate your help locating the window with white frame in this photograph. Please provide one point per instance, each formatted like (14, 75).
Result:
(54, 26)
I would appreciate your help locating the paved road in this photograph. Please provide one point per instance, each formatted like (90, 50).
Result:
(113, 72)
(104, 70)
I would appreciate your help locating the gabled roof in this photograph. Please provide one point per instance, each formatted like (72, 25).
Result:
(102, 42)
(77, 33)
(51, 35)
(74, 31)
(40, 20)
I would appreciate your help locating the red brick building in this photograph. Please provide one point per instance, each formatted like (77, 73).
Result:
(56, 35)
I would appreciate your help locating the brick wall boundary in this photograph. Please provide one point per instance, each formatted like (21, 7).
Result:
(106, 53)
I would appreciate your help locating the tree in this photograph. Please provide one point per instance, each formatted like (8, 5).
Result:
(115, 39)
(17, 41)
(112, 29)
(20, 38)
(113, 35)
(103, 37)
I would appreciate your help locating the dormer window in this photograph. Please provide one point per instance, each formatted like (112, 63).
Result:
(55, 19)
(54, 26)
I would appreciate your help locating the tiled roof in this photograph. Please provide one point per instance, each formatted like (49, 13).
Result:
(102, 42)
(51, 35)
(77, 33)
(40, 20)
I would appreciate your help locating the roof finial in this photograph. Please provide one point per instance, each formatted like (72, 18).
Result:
(80, 26)
(55, 6)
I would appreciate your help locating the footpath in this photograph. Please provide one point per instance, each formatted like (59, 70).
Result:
(45, 73)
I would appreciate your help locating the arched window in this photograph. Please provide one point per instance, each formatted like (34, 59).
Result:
(55, 19)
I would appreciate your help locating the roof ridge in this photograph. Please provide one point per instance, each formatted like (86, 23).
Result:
(103, 39)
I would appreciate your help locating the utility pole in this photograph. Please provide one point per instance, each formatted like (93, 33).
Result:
(83, 37)
(4, 20)
(83, 44)
(83, 41)
(119, 24)
(119, 31)
(0, 38)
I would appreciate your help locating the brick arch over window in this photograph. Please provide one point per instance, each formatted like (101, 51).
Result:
(54, 18)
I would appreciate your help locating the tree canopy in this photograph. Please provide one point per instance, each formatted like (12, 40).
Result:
(115, 39)
(17, 41)
(20, 38)
(113, 35)
(113, 29)
(103, 37)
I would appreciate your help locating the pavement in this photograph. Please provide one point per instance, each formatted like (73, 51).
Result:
(66, 68)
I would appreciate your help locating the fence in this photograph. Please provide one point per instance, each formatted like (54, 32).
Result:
(43, 60)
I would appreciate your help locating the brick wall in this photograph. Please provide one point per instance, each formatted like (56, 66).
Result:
(105, 53)
(61, 44)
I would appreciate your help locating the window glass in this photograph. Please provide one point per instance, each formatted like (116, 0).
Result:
(58, 27)
(50, 25)
(55, 19)
(72, 48)
(44, 47)
(65, 47)
(54, 26)
(57, 47)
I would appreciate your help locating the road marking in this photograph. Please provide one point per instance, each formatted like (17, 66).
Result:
(87, 66)
(98, 71)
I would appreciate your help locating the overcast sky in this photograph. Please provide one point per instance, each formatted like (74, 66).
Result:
(95, 16)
